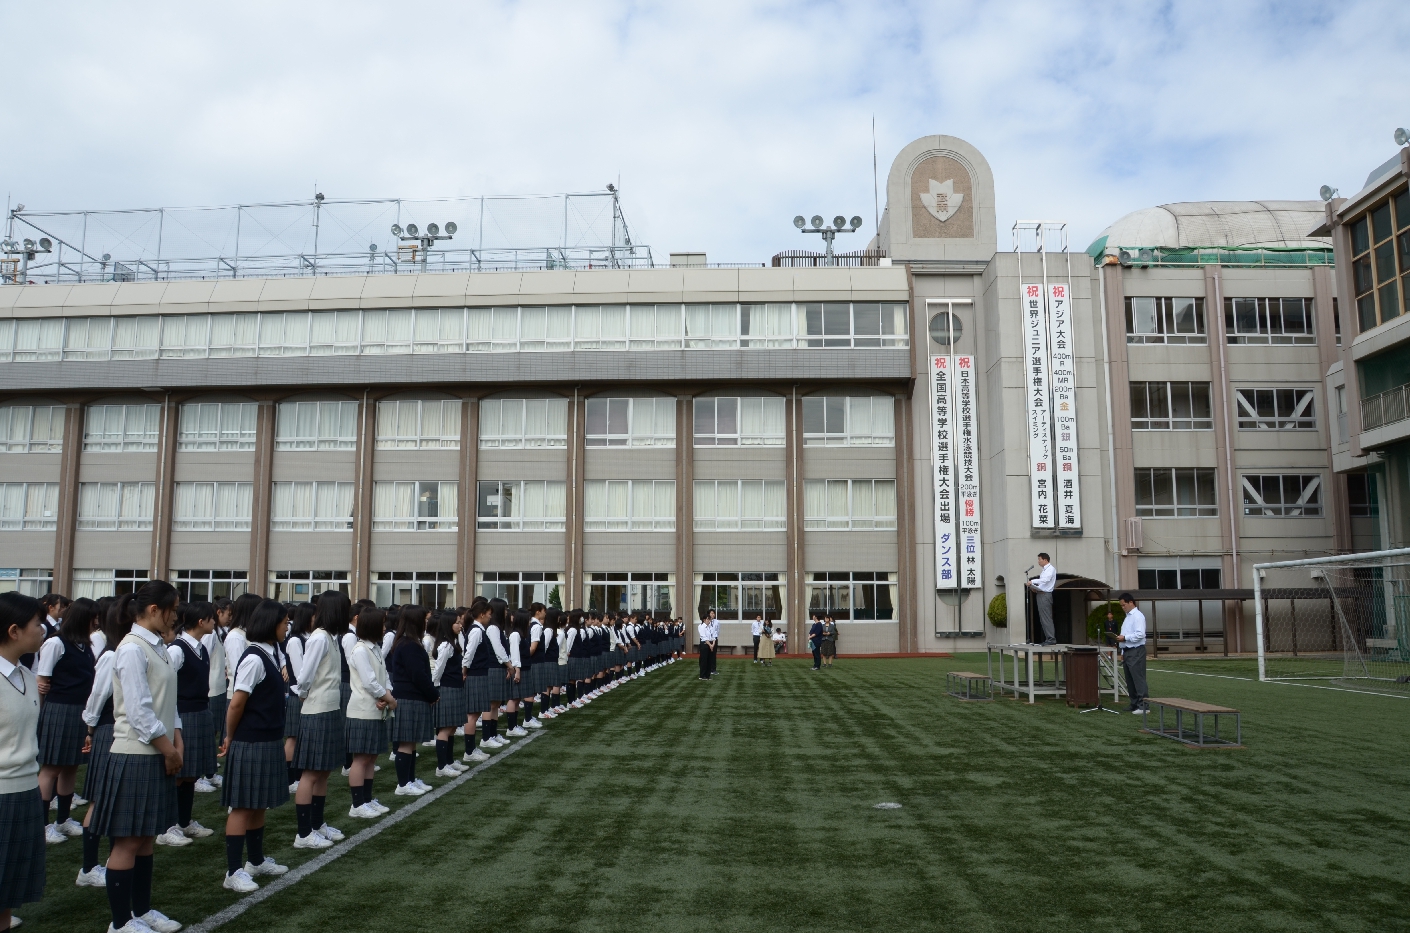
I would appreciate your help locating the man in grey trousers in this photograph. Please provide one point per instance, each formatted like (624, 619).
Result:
(1132, 643)
(1042, 587)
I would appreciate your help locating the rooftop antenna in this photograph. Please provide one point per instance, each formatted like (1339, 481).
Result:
(875, 197)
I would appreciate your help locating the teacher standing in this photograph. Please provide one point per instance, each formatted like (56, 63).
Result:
(1042, 587)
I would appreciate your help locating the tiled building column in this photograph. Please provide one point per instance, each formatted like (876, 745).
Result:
(1328, 354)
(907, 627)
(573, 527)
(685, 606)
(362, 498)
(166, 488)
(67, 520)
(797, 557)
(1226, 467)
(469, 474)
(1124, 463)
(261, 499)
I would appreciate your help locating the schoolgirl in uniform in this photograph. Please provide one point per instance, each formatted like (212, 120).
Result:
(98, 715)
(235, 642)
(532, 683)
(345, 647)
(500, 681)
(192, 662)
(448, 674)
(516, 642)
(300, 627)
(551, 680)
(64, 670)
(136, 794)
(410, 670)
(322, 742)
(368, 731)
(476, 662)
(215, 646)
(21, 811)
(573, 644)
(256, 777)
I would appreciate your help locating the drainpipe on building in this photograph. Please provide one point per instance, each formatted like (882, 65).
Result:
(1228, 432)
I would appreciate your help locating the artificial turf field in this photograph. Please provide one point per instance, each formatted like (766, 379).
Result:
(747, 803)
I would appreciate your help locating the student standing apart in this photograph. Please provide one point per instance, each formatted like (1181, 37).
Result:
(707, 645)
(21, 816)
(815, 636)
(756, 631)
(64, 670)
(368, 710)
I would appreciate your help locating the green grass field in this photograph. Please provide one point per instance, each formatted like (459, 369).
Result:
(747, 804)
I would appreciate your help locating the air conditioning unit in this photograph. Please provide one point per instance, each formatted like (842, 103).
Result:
(1134, 537)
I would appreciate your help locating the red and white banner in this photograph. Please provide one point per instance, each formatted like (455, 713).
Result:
(943, 463)
(967, 471)
(1039, 388)
(1068, 491)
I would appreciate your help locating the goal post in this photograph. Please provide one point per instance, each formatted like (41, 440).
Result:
(1344, 618)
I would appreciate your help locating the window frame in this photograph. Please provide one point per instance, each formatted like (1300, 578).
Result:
(420, 440)
(520, 523)
(47, 518)
(1195, 476)
(630, 522)
(312, 521)
(854, 582)
(424, 493)
(1167, 321)
(828, 522)
(143, 492)
(764, 523)
(1249, 419)
(202, 523)
(1304, 507)
(1169, 422)
(1265, 313)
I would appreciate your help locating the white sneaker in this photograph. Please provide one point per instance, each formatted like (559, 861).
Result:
(331, 833)
(217, 780)
(534, 723)
(347, 771)
(239, 882)
(376, 768)
(430, 744)
(132, 926)
(71, 828)
(378, 805)
(53, 804)
(460, 730)
(267, 867)
(160, 922)
(363, 812)
(519, 732)
(173, 837)
(409, 790)
(312, 841)
(78, 800)
(294, 787)
(458, 767)
(421, 784)
(447, 771)
(576, 704)
(52, 836)
(477, 756)
(204, 786)
(96, 877)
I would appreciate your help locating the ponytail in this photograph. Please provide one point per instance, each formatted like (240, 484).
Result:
(157, 593)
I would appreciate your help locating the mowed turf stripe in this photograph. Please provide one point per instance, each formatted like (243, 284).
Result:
(286, 881)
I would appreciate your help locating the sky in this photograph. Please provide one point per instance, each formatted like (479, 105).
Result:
(720, 121)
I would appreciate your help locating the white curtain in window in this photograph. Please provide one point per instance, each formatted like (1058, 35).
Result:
(837, 510)
(555, 501)
(886, 503)
(400, 324)
(536, 419)
(643, 325)
(697, 322)
(594, 502)
(863, 503)
(194, 506)
(727, 505)
(560, 327)
(705, 505)
(751, 504)
(490, 425)
(233, 504)
(448, 503)
(512, 419)
(881, 421)
(477, 328)
(614, 325)
(135, 337)
(618, 504)
(505, 327)
(374, 331)
(334, 507)
(233, 334)
(558, 420)
(815, 503)
(533, 326)
(643, 504)
(668, 322)
(88, 338)
(663, 511)
(531, 503)
(322, 332)
(12, 506)
(426, 329)
(775, 504)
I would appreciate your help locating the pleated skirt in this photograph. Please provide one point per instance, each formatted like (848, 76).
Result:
(501, 688)
(198, 734)
(293, 711)
(256, 776)
(344, 695)
(219, 704)
(21, 848)
(412, 722)
(102, 746)
(322, 741)
(136, 797)
(450, 711)
(477, 694)
(61, 734)
(368, 736)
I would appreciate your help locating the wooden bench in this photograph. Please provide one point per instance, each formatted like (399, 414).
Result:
(1199, 736)
(965, 685)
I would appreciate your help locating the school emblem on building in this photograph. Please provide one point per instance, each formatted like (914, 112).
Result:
(942, 202)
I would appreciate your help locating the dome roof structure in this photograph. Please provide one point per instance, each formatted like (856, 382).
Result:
(1279, 224)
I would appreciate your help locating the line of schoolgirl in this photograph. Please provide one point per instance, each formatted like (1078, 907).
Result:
(155, 692)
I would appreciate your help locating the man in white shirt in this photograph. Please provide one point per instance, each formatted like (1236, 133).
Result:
(1042, 587)
(757, 630)
(1132, 644)
(708, 632)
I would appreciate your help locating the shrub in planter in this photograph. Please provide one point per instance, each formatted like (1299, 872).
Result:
(999, 611)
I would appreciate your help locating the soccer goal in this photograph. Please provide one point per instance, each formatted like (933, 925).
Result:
(1344, 619)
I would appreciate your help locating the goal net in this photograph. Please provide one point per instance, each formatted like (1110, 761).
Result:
(1343, 619)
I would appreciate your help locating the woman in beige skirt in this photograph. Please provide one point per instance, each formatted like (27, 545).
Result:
(766, 645)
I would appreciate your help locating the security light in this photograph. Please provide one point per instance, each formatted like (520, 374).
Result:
(856, 223)
(451, 227)
(1401, 137)
(396, 229)
(372, 248)
(1327, 192)
(800, 222)
(433, 229)
(107, 257)
(18, 208)
(817, 220)
(839, 221)
(28, 243)
(413, 230)
(318, 197)
(45, 243)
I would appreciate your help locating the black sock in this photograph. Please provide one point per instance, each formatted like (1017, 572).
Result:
(443, 753)
(347, 760)
(469, 741)
(44, 808)
(484, 729)
(411, 767)
(303, 813)
(90, 849)
(254, 841)
(513, 721)
(404, 773)
(185, 799)
(367, 787)
(295, 774)
(494, 727)
(356, 791)
(141, 885)
(120, 895)
(234, 854)
(319, 806)
(65, 807)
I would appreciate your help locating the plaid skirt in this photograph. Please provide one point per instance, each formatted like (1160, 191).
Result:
(219, 704)
(22, 818)
(61, 734)
(411, 722)
(501, 688)
(450, 711)
(256, 776)
(136, 797)
(367, 736)
(322, 742)
(293, 711)
(198, 736)
(102, 747)
(344, 695)
(477, 694)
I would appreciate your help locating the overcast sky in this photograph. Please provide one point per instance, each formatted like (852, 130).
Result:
(722, 120)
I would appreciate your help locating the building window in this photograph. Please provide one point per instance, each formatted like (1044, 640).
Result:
(766, 325)
(212, 507)
(520, 588)
(29, 582)
(38, 339)
(631, 592)
(136, 338)
(1276, 410)
(740, 505)
(1286, 495)
(1341, 414)
(121, 427)
(858, 596)
(210, 585)
(1165, 320)
(316, 426)
(95, 584)
(840, 324)
(740, 596)
(311, 506)
(1182, 619)
(28, 429)
(418, 423)
(849, 421)
(116, 506)
(298, 586)
(600, 327)
(631, 422)
(29, 506)
(184, 336)
(1165, 492)
(1361, 495)
(849, 504)
(735, 422)
(415, 506)
(1171, 406)
(427, 588)
(1178, 578)
(1380, 267)
(521, 505)
(217, 426)
(234, 335)
(1269, 320)
(629, 505)
(520, 422)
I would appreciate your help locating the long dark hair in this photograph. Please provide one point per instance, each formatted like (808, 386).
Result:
(442, 628)
(157, 593)
(519, 624)
(301, 619)
(78, 621)
(334, 613)
(499, 612)
(411, 625)
(243, 607)
(263, 624)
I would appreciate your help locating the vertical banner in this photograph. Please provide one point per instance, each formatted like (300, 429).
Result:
(1064, 382)
(1040, 448)
(967, 467)
(943, 462)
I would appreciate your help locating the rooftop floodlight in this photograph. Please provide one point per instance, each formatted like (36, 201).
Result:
(396, 229)
(28, 243)
(800, 222)
(18, 208)
(839, 221)
(817, 220)
(433, 229)
(856, 223)
(1401, 136)
(318, 197)
(107, 257)
(413, 230)
(372, 248)
(45, 243)
(1327, 192)
(451, 227)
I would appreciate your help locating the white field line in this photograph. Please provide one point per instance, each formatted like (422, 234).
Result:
(1284, 683)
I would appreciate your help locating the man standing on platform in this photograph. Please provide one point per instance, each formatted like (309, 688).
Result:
(1042, 587)
(1132, 644)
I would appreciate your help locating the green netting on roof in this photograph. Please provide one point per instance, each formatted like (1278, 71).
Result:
(1215, 255)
